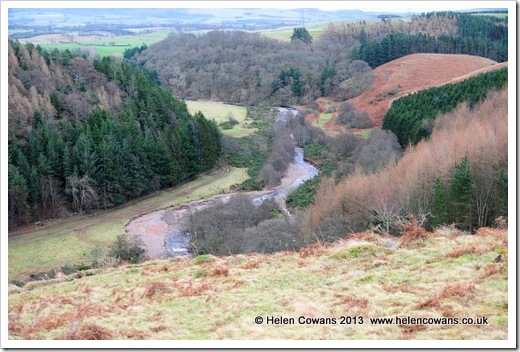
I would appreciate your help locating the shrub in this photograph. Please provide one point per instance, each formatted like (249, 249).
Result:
(101, 258)
(351, 118)
(128, 249)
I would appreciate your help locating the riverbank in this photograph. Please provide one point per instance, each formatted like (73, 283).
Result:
(161, 231)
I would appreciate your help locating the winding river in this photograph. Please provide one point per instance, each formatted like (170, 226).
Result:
(161, 230)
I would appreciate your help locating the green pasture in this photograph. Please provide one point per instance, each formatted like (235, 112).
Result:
(285, 33)
(107, 46)
(71, 241)
(219, 112)
(322, 120)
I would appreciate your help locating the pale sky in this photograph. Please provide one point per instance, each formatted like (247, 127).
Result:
(405, 6)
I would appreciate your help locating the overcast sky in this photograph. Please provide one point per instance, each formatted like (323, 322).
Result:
(375, 6)
(405, 6)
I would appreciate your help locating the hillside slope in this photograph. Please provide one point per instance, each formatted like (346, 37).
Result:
(415, 72)
(443, 275)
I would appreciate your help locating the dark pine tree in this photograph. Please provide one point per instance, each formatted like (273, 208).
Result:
(439, 207)
(461, 194)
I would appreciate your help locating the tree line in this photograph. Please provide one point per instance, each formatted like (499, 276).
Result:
(148, 142)
(249, 68)
(484, 36)
(456, 177)
(411, 117)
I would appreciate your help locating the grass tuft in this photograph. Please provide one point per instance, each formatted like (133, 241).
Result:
(205, 258)
(200, 273)
(354, 252)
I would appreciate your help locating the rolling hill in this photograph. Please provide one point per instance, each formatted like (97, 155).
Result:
(416, 72)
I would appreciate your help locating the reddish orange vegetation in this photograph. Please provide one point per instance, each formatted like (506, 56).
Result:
(366, 236)
(220, 271)
(251, 264)
(416, 72)
(409, 329)
(352, 301)
(480, 134)
(459, 252)
(412, 233)
(454, 290)
(315, 249)
(155, 287)
(89, 332)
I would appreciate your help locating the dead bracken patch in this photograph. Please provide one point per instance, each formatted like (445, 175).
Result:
(459, 290)
(315, 249)
(155, 287)
(499, 234)
(158, 328)
(220, 271)
(495, 268)
(412, 233)
(189, 288)
(366, 236)
(351, 301)
(91, 309)
(453, 290)
(135, 334)
(409, 329)
(89, 332)
(53, 321)
(251, 264)
(459, 252)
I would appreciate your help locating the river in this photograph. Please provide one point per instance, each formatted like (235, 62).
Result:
(161, 230)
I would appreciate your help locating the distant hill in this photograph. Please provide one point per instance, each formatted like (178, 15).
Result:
(415, 72)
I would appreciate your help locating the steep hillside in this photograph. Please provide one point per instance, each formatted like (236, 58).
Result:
(412, 73)
(444, 275)
(424, 181)
(87, 135)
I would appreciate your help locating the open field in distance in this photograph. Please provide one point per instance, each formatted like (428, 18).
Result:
(219, 112)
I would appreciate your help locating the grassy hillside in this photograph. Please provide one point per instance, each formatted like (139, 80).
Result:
(70, 241)
(443, 275)
(412, 73)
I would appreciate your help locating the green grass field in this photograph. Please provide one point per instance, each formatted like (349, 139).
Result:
(322, 120)
(285, 33)
(499, 15)
(101, 45)
(71, 241)
(219, 112)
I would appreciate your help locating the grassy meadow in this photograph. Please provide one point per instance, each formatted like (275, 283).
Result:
(101, 45)
(285, 33)
(68, 242)
(219, 112)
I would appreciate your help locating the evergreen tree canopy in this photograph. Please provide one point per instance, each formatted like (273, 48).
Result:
(439, 208)
(461, 192)
(410, 117)
(149, 143)
(301, 33)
